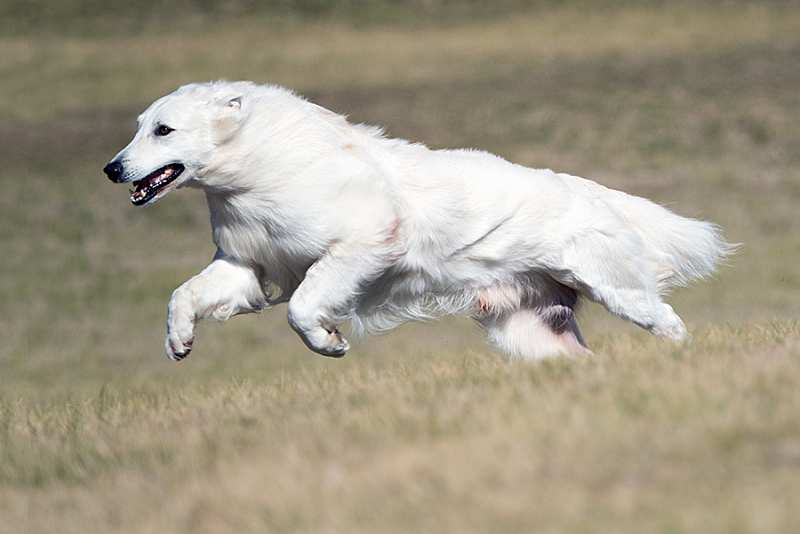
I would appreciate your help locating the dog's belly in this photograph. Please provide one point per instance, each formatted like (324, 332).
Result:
(407, 295)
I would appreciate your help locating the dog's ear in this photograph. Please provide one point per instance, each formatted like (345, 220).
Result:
(234, 103)
(228, 117)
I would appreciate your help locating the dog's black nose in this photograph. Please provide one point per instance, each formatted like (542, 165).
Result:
(114, 171)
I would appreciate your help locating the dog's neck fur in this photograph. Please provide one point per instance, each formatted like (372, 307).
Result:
(252, 186)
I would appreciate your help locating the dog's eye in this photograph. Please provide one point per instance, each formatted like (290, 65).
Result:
(162, 130)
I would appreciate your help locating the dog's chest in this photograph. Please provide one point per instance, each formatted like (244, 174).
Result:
(280, 260)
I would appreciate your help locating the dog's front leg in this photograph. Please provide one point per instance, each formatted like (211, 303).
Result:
(326, 296)
(223, 289)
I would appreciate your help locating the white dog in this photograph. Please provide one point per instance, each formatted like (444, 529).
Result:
(346, 224)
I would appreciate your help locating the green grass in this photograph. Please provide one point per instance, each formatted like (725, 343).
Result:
(424, 429)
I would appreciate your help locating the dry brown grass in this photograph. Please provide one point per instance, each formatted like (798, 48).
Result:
(639, 438)
(423, 429)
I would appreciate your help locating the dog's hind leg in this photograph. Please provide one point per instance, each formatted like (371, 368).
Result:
(643, 308)
(628, 289)
(631, 295)
(528, 333)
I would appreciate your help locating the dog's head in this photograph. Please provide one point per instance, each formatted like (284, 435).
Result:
(176, 138)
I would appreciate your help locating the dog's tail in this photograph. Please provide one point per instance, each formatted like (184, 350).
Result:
(689, 249)
(682, 249)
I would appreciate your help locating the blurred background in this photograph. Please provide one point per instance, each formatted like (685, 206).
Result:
(693, 104)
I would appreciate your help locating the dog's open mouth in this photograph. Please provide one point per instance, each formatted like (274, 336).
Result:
(147, 188)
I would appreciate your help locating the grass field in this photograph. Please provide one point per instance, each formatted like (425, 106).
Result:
(425, 429)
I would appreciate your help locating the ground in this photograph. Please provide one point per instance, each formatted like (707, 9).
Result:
(694, 105)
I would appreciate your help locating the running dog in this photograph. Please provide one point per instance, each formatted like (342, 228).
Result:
(346, 224)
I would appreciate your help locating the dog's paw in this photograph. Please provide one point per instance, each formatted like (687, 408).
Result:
(177, 348)
(327, 342)
(180, 334)
(673, 329)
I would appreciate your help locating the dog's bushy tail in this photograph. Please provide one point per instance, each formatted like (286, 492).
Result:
(685, 249)
(681, 249)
